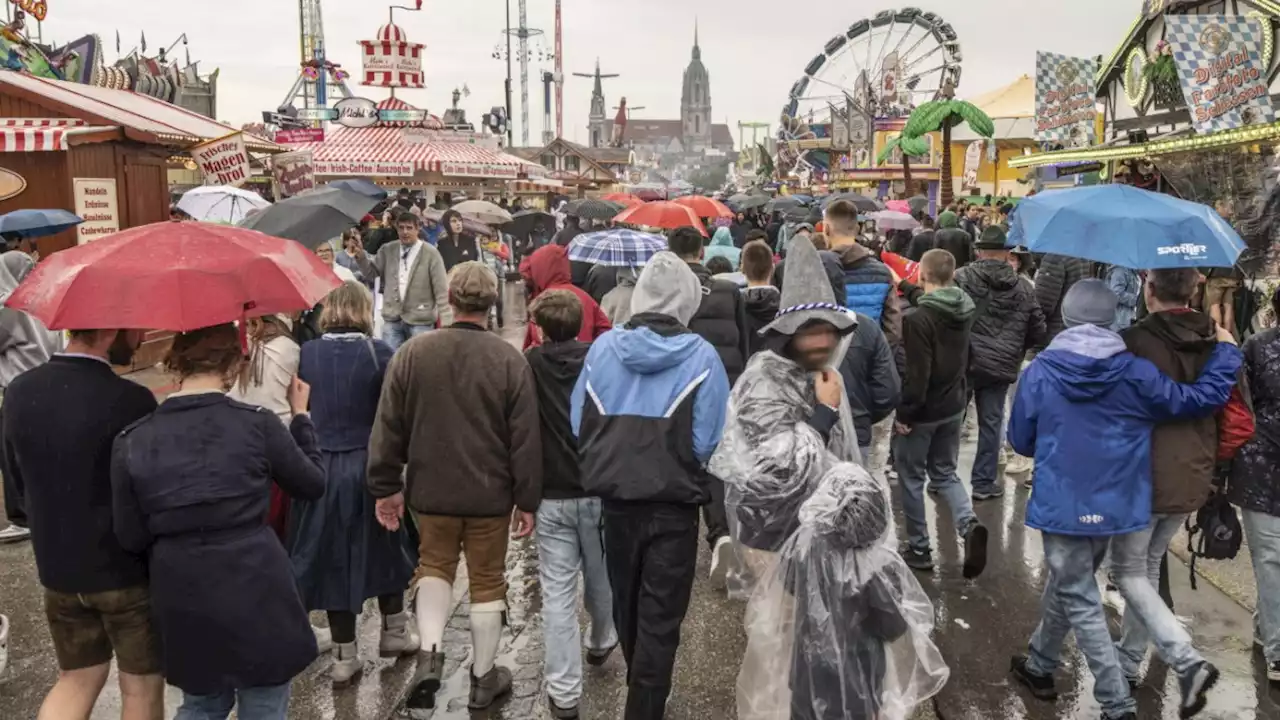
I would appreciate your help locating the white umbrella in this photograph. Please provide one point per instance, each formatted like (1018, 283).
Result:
(891, 220)
(483, 211)
(221, 204)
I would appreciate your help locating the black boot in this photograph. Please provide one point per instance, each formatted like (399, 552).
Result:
(426, 681)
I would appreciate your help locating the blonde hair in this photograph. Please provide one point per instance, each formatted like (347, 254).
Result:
(349, 306)
(473, 288)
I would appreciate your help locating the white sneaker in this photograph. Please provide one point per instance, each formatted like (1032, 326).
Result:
(13, 534)
(721, 559)
(4, 644)
(324, 639)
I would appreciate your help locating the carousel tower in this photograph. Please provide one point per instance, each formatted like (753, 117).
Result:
(317, 73)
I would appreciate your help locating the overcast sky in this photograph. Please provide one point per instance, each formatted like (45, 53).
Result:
(753, 49)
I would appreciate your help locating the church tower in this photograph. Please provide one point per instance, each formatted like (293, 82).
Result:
(695, 101)
(597, 117)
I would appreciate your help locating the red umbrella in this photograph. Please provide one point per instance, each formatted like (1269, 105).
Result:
(650, 195)
(705, 207)
(626, 200)
(666, 215)
(176, 276)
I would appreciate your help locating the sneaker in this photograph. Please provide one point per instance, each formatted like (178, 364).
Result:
(562, 713)
(975, 551)
(918, 559)
(1041, 686)
(426, 681)
(1019, 464)
(4, 644)
(596, 658)
(1195, 685)
(346, 664)
(1003, 459)
(399, 636)
(994, 492)
(487, 690)
(721, 559)
(14, 534)
(1273, 669)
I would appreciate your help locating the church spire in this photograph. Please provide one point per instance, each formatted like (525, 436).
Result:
(697, 51)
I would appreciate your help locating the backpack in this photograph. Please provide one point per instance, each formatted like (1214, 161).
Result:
(1216, 535)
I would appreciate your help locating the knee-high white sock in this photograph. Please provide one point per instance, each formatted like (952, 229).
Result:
(486, 634)
(435, 598)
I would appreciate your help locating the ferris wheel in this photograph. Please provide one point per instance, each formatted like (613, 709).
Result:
(881, 67)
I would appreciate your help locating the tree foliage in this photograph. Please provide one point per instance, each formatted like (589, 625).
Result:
(947, 114)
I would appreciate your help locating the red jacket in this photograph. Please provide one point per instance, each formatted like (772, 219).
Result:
(548, 269)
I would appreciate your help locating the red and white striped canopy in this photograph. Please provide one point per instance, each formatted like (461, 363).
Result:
(364, 150)
(32, 139)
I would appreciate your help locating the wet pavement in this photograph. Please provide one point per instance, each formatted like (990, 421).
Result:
(980, 624)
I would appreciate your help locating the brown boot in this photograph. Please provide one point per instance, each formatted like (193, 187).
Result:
(485, 690)
(426, 681)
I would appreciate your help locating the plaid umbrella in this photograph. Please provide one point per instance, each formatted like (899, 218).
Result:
(593, 209)
(616, 247)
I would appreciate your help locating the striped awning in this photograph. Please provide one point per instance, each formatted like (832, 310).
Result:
(41, 123)
(377, 151)
(32, 139)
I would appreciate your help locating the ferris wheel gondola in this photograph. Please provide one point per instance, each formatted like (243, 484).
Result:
(881, 67)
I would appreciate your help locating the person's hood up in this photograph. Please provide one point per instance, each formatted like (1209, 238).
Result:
(627, 277)
(722, 238)
(667, 286)
(1086, 362)
(563, 361)
(762, 301)
(15, 265)
(954, 304)
(948, 219)
(549, 267)
(646, 352)
(995, 275)
(1183, 331)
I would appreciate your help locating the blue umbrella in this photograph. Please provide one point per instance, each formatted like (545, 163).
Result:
(616, 247)
(37, 223)
(364, 187)
(1125, 226)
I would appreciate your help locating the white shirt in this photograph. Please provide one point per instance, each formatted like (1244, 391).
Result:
(407, 257)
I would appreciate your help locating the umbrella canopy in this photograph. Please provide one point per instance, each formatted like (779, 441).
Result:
(893, 220)
(666, 215)
(1122, 225)
(176, 276)
(747, 202)
(616, 247)
(591, 209)
(474, 227)
(524, 222)
(221, 204)
(705, 207)
(648, 195)
(783, 204)
(313, 217)
(484, 211)
(626, 200)
(918, 203)
(37, 223)
(362, 186)
(860, 201)
(901, 206)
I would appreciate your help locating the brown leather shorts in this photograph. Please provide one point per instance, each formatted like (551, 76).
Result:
(484, 540)
(88, 629)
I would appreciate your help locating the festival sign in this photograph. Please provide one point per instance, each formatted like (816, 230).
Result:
(96, 203)
(11, 184)
(224, 161)
(299, 136)
(972, 160)
(293, 173)
(425, 136)
(369, 169)
(1219, 60)
(1065, 99)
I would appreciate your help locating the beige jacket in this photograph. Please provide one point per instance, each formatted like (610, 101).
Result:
(427, 296)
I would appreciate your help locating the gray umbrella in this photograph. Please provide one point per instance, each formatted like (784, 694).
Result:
(860, 201)
(783, 204)
(313, 217)
(918, 203)
(742, 201)
(593, 209)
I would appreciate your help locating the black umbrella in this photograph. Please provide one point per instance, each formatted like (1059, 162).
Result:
(524, 222)
(918, 203)
(743, 201)
(593, 209)
(313, 217)
(783, 204)
(364, 187)
(860, 201)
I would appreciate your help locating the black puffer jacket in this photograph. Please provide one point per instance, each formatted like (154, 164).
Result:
(1255, 472)
(1007, 324)
(1054, 277)
(722, 321)
(957, 242)
(762, 308)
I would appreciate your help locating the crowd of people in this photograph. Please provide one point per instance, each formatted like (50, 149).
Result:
(732, 381)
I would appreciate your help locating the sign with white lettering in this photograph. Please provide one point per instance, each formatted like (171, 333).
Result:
(423, 136)
(369, 169)
(224, 161)
(1224, 78)
(96, 203)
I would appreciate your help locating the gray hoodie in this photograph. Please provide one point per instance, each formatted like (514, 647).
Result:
(616, 303)
(668, 287)
(25, 342)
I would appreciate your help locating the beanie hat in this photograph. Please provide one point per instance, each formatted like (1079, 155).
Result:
(1090, 302)
(993, 238)
(668, 287)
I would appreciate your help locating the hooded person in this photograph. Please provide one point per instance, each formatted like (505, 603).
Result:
(1085, 410)
(617, 302)
(841, 629)
(547, 269)
(648, 411)
(722, 246)
(952, 238)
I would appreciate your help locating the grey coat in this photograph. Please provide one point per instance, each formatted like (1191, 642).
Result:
(427, 296)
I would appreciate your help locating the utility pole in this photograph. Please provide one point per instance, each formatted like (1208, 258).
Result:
(510, 125)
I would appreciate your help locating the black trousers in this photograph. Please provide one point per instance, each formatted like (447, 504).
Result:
(342, 625)
(713, 513)
(651, 551)
(14, 504)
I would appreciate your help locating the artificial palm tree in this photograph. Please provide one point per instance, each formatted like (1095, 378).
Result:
(944, 114)
(764, 166)
(910, 147)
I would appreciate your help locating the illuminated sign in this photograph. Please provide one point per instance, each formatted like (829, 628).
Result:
(38, 9)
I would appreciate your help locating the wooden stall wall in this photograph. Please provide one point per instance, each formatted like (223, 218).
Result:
(47, 187)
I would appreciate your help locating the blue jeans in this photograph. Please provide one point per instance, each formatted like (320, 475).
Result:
(1071, 601)
(397, 332)
(569, 540)
(990, 401)
(1262, 532)
(260, 703)
(1135, 563)
(931, 451)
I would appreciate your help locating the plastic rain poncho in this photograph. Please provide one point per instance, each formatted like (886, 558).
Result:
(839, 629)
